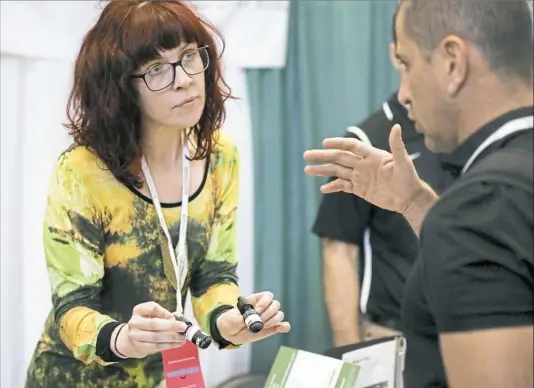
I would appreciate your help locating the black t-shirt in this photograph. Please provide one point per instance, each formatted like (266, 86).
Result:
(475, 270)
(392, 243)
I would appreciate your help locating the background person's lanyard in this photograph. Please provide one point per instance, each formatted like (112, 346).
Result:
(178, 256)
(517, 125)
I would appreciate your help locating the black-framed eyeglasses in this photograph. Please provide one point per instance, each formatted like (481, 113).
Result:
(162, 75)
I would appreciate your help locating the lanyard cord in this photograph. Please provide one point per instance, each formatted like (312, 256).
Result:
(178, 255)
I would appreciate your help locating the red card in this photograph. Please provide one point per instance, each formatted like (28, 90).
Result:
(181, 367)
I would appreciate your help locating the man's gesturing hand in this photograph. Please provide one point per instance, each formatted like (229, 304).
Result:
(151, 329)
(387, 180)
(232, 326)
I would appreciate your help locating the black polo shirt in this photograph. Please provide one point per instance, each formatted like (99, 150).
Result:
(475, 270)
(392, 243)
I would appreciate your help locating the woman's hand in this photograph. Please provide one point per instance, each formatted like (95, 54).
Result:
(232, 326)
(151, 329)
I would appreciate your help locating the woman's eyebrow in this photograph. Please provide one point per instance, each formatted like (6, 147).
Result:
(160, 57)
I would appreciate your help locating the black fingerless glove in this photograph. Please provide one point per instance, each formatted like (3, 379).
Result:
(214, 330)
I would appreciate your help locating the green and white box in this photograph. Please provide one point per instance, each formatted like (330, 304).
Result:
(295, 368)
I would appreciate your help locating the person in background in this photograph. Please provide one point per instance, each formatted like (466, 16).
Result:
(356, 234)
(468, 306)
(145, 111)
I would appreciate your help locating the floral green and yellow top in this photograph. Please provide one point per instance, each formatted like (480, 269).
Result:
(103, 252)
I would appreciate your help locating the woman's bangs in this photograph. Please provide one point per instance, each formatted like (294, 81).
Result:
(154, 27)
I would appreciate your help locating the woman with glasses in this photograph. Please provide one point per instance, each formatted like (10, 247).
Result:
(142, 206)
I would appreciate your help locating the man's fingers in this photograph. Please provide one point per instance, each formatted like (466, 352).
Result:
(352, 145)
(398, 149)
(337, 186)
(329, 170)
(151, 309)
(343, 158)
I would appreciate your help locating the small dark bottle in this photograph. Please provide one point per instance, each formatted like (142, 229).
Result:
(194, 333)
(251, 317)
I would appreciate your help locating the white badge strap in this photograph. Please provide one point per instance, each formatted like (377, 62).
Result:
(517, 125)
(179, 260)
(182, 241)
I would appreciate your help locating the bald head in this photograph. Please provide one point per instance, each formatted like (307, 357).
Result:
(501, 30)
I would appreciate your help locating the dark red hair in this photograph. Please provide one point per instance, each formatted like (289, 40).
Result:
(103, 111)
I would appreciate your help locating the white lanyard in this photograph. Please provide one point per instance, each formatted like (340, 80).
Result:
(178, 256)
(517, 125)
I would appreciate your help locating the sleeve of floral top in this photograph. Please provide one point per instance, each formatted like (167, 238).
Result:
(73, 244)
(214, 283)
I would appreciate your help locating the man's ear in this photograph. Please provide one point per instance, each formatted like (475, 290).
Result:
(454, 53)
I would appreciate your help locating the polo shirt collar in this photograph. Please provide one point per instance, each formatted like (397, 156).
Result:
(455, 161)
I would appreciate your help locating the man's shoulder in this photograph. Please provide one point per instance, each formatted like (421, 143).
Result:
(512, 167)
(505, 190)
(505, 169)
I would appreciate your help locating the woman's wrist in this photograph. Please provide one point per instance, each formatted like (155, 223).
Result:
(117, 343)
(214, 327)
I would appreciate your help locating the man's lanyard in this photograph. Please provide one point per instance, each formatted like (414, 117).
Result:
(517, 125)
(178, 255)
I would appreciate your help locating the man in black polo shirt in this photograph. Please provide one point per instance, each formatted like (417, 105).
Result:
(468, 307)
(346, 222)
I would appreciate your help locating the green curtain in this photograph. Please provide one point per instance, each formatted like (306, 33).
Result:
(338, 71)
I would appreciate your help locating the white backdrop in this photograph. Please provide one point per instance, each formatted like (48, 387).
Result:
(39, 40)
